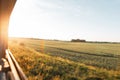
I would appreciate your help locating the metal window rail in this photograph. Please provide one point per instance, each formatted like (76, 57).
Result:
(17, 73)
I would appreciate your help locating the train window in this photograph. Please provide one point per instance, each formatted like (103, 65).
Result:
(62, 39)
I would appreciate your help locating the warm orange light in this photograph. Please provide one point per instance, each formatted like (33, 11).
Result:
(42, 46)
(6, 7)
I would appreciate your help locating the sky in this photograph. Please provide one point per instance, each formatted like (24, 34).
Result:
(92, 20)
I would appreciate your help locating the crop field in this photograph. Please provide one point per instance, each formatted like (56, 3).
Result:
(64, 60)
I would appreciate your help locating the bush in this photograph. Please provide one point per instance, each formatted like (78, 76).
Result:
(21, 44)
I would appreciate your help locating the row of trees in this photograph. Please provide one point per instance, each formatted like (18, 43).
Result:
(78, 40)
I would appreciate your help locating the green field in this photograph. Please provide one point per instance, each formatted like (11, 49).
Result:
(64, 60)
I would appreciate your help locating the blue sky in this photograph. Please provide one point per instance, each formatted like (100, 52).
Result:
(93, 20)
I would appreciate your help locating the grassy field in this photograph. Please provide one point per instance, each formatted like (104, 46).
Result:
(62, 60)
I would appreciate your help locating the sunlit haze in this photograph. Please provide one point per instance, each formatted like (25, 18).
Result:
(92, 20)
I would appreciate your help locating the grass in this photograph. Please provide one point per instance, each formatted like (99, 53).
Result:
(60, 60)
